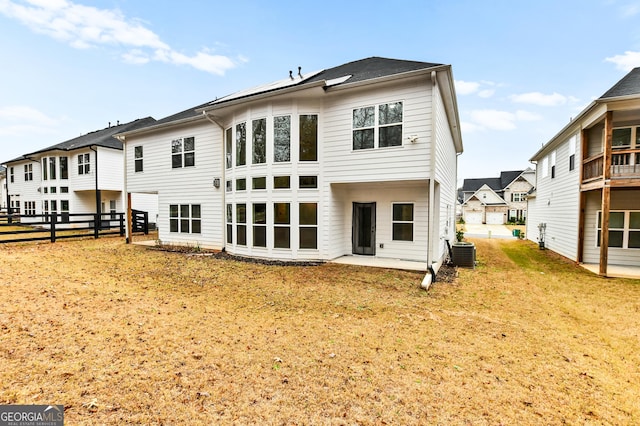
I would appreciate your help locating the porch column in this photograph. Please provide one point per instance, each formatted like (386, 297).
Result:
(129, 237)
(606, 194)
(581, 220)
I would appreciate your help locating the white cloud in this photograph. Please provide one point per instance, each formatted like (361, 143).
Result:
(492, 119)
(486, 93)
(466, 87)
(19, 113)
(540, 99)
(84, 27)
(627, 61)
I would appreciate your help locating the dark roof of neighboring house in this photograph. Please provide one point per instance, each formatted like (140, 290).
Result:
(103, 138)
(628, 85)
(497, 184)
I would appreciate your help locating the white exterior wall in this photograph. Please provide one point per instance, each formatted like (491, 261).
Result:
(446, 173)
(188, 185)
(110, 169)
(557, 204)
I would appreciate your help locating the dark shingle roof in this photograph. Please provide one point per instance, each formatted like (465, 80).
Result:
(497, 184)
(507, 177)
(103, 138)
(361, 70)
(472, 185)
(370, 68)
(628, 85)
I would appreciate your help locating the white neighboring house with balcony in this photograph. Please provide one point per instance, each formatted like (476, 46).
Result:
(359, 159)
(586, 206)
(81, 175)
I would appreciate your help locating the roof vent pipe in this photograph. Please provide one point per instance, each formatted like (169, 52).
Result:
(300, 71)
(291, 74)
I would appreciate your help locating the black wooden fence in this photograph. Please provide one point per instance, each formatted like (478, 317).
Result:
(55, 226)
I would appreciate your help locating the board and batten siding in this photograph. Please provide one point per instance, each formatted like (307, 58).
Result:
(557, 203)
(620, 200)
(189, 185)
(446, 174)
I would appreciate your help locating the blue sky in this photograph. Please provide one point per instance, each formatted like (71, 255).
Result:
(522, 68)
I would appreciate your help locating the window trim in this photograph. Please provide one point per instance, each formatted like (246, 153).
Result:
(395, 221)
(178, 221)
(138, 159)
(183, 154)
(626, 229)
(377, 126)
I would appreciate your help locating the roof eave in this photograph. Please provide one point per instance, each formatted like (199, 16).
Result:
(122, 136)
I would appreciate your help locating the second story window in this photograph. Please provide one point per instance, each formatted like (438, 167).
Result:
(259, 141)
(241, 144)
(138, 163)
(11, 175)
(282, 139)
(28, 172)
(183, 152)
(309, 137)
(52, 168)
(84, 165)
(377, 126)
(64, 167)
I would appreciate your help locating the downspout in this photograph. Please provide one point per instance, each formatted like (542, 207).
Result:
(98, 197)
(431, 274)
(222, 180)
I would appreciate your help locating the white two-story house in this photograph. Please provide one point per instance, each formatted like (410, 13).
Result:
(81, 175)
(587, 200)
(359, 159)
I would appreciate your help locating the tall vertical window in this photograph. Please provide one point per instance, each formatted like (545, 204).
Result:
(229, 147)
(28, 172)
(64, 167)
(52, 168)
(381, 130)
(64, 211)
(259, 225)
(241, 144)
(282, 139)
(308, 220)
(553, 164)
(281, 225)
(137, 159)
(183, 152)
(259, 135)
(45, 169)
(403, 222)
(309, 137)
(229, 224)
(241, 224)
(185, 218)
(84, 166)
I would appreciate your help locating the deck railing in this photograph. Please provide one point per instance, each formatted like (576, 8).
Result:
(625, 164)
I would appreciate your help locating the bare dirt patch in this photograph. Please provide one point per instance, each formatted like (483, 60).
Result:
(123, 334)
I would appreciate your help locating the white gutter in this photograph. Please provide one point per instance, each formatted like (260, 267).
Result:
(430, 277)
(222, 180)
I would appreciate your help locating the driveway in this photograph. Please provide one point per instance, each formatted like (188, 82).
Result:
(487, 231)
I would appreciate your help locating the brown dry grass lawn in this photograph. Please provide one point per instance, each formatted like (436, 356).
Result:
(122, 334)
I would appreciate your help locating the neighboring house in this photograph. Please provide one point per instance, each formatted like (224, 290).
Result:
(358, 159)
(498, 200)
(81, 175)
(587, 201)
(3, 188)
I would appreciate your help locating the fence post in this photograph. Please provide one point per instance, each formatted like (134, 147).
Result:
(52, 223)
(121, 224)
(96, 226)
(146, 223)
